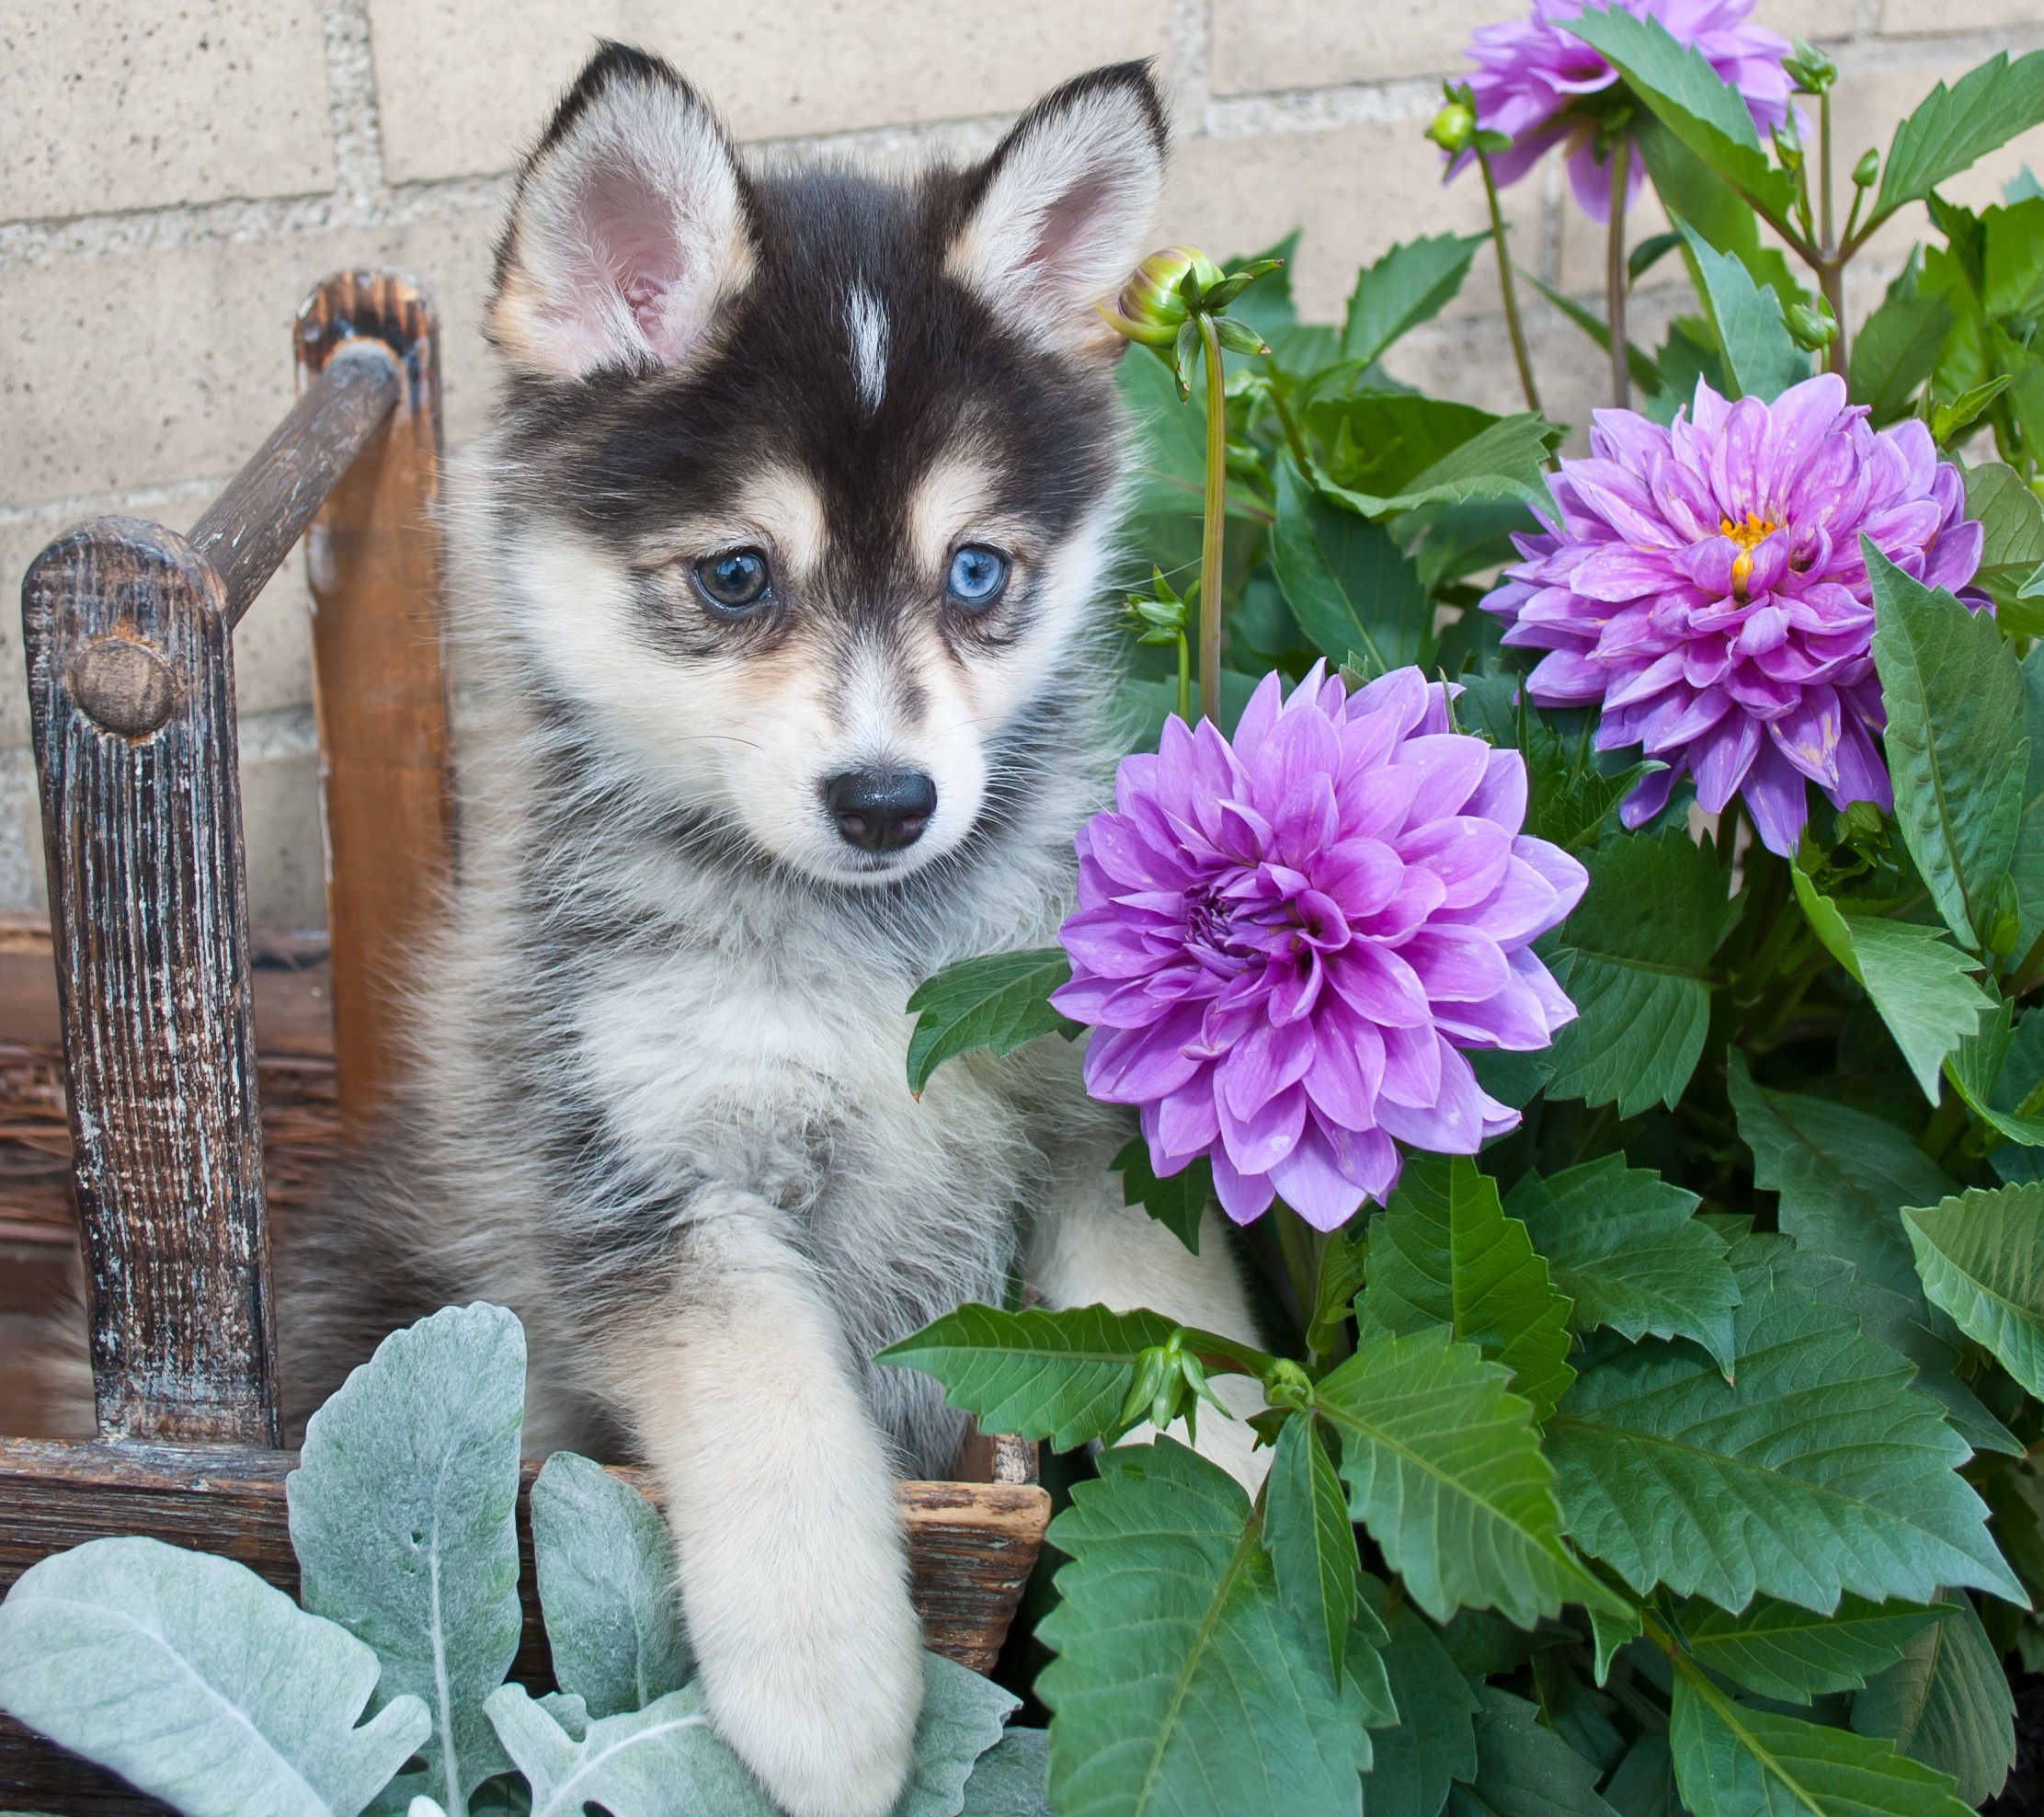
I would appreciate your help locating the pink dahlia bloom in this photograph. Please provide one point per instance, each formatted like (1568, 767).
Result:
(1282, 944)
(1530, 74)
(1706, 588)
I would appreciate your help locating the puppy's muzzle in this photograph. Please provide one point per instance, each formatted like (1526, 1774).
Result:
(879, 810)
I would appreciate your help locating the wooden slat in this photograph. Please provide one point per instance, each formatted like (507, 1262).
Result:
(142, 829)
(250, 528)
(380, 691)
(971, 1547)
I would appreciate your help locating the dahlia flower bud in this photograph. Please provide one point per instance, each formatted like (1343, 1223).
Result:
(1809, 68)
(1153, 305)
(1867, 170)
(1453, 128)
(1707, 589)
(1285, 943)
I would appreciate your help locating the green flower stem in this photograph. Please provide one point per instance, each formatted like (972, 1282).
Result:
(1947, 1123)
(1210, 550)
(1302, 1245)
(1226, 1354)
(1505, 285)
(1825, 216)
(1614, 274)
(1184, 677)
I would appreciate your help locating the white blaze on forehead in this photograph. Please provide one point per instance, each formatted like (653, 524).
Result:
(866, 325)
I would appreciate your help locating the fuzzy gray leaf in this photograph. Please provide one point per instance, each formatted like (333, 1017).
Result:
(199, 1683)
(401, 1512)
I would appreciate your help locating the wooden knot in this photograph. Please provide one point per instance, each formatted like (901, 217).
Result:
(122, 686)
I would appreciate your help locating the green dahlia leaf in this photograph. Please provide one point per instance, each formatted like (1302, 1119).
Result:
(1409, 285)
(1956, 748)
(1978, 1069)
(2027, 866)
(197, 1683)
(1523, 1768)
(1946, 1703)
(1379, 441)
(1895, 350)
(1178, 1201)
(1311, 1543)
(997, 1001)
(1180, 1685)
(1643, 1783)
(1735, 1760)
(1781, 1650)
(1060, 1376)
(1634, 957)
(1444, 1253)
(1622, 1244)
(1444, 1466)
(1761, 357)
(1691, 99)
(607, 1587)
(1844, 1176)
(1505, 462)
(1918, 979)
(1343, 1264)
(1354, 591)
(401, 1515)
(1951, 128)
(1433, 1742)
(1982, 1258)
(1820, 1470)
(2011, 518)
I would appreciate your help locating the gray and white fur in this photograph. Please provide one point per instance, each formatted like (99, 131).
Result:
(713, 838)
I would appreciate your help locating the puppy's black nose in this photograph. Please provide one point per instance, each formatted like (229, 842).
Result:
(881, 810)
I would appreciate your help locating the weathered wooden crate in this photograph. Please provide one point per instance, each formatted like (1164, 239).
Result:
(129, 629)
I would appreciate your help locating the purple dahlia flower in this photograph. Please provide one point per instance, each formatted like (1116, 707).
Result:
(1282, 944)
(1530, 72)
(1706, 586)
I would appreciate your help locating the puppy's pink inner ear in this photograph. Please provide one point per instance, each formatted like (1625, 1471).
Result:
(629, 233)
(1068, 234)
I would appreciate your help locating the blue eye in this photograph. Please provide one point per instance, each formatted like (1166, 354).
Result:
(732, 579)
(977, 575)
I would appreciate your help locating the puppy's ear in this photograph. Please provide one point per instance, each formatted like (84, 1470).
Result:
(1058, 218)
(628, 228)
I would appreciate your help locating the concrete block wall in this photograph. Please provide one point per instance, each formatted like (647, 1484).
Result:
(175, 174)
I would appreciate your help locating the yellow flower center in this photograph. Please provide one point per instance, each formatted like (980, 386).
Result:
(1747, 535)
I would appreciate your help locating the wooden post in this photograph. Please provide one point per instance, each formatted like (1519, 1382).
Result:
(372, 557)
(132, 697)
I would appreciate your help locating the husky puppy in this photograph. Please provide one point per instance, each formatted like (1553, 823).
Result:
(779, 580)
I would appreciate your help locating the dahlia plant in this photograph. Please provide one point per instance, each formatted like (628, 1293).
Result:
(1584, 950)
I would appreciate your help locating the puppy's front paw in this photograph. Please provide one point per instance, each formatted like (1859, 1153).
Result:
(819, 1691)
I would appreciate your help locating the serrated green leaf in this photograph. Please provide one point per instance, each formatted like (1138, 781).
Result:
(1350, 588)
(1179, 1685)
(199, 1683)
(1976, 1069)
(1761, 357)
(2011, 518)
(1951, 128)
(1946, 1703)
(1311, 1543)
(401, 1515)
(1622, 1244)
(997, 1001)
(1523, 1768)
(1820, 1471)
(1444, 1253)
(1982, 1258)
(1410, 284)
(1178, 1201)
(2027, 866)
(606, 1576)
(1781, 1650)
(1735, 1760)
(1634, 959)
(1444, 1466)
(1505, 462)
(1917, 978)
(1379, 441)
(1342, 1268)
(1434, 1742)
(1948, 419)
(1691, 99)
(1895, 352)
(1844, 1176)
(2012, 268)
(1060, 1376)
(1955, 743)
(1643, 1783)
